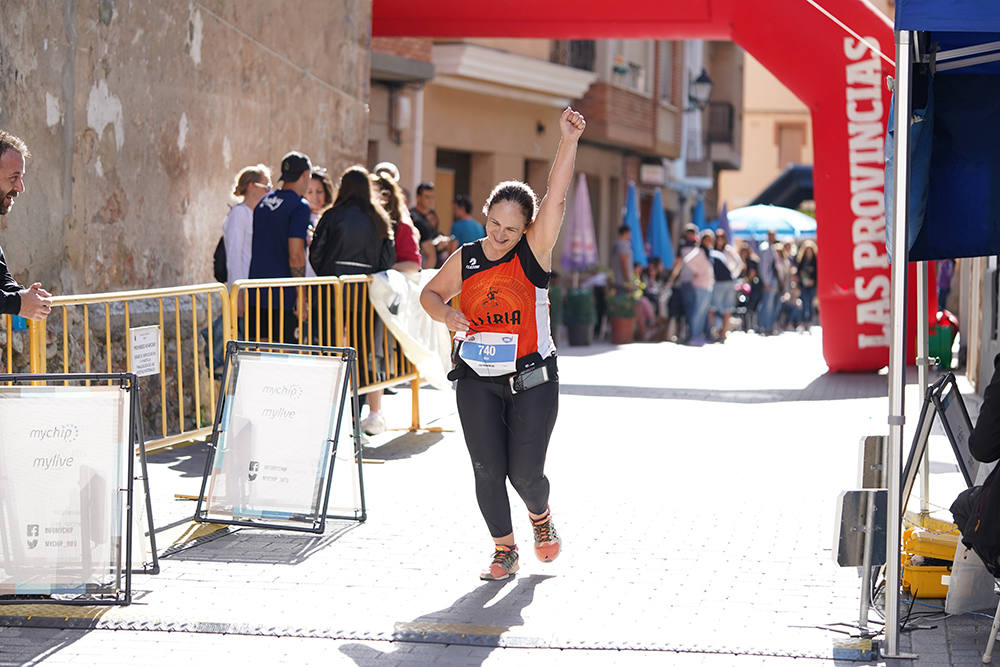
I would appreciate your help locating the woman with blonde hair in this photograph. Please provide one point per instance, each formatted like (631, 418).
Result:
(250, 186)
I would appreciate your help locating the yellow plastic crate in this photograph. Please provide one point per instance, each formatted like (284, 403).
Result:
(930, 545)
(931, 523)
(924, 581)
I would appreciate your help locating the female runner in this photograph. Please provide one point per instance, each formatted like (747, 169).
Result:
(508, 390)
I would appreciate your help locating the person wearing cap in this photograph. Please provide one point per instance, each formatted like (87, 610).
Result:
(682, 295)
(697, 278)
(689, 241)
(280, 225)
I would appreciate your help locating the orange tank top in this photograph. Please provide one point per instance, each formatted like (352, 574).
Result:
(509, 295)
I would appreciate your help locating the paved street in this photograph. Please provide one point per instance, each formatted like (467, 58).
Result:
(694, 489)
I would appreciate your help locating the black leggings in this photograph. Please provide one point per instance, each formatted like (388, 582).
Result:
(507, 436)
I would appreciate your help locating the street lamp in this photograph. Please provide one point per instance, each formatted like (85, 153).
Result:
(699, 90)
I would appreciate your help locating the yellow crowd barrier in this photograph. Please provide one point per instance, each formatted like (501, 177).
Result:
(334, 311)
(93, 332)
(10, 334)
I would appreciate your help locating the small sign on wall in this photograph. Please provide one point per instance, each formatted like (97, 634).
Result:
(144, 349)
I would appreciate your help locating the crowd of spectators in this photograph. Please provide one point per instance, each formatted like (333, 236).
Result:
(310, 225)
(715, 284)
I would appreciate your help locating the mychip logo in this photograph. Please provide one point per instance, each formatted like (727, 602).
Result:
(292, 391)
(61, 433)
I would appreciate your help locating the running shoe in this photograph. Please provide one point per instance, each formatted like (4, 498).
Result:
(504, 564)
(547, 540)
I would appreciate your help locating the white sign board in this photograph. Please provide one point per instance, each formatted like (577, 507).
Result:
(144, 349)
(276, 434)
(62, 464)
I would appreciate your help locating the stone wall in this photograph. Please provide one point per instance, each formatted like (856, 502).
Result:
(138, 115)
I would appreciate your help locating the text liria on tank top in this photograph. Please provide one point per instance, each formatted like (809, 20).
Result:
(508, 317)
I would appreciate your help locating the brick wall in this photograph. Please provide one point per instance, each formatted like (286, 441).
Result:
(413, 48)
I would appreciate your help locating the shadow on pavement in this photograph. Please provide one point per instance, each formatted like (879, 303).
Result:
(189, 461)
(470, 621)
(253, 545)
(29, 646)
(828, 387)
(403, 447)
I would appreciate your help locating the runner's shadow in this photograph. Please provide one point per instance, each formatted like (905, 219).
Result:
(470, 621)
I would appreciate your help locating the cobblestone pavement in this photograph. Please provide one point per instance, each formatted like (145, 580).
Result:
(694, 489)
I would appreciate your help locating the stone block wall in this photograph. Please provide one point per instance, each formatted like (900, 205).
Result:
(139, 114)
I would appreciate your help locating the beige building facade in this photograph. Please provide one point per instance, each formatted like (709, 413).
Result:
(777, 132)
(490, 113)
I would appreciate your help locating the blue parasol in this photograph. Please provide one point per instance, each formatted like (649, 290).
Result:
(698, 215)
(756, 221)
(659, 235)
(632, 220)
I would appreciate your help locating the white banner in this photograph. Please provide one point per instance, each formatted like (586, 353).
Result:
(62, 464)
(275, 438)
(396, 299)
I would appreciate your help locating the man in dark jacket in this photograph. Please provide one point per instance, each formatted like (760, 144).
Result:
(32, 302)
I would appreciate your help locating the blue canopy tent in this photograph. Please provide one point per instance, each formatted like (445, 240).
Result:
(942, 190)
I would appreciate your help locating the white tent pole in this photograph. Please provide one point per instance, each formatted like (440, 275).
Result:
(897, 340)
(923, 371)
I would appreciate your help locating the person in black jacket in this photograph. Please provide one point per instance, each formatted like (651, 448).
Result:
(354, 236)
(33, 302)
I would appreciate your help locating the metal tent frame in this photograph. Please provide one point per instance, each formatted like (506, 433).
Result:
(912, 48)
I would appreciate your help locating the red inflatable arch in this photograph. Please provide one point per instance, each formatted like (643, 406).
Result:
(806, 44)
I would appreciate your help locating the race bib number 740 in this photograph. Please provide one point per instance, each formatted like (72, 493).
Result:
(490, 354)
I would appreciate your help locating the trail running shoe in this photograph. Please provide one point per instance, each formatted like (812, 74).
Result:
(547, 540)
(504, 564)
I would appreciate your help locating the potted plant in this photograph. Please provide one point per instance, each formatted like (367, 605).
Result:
(621, 315)
(580, 315)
